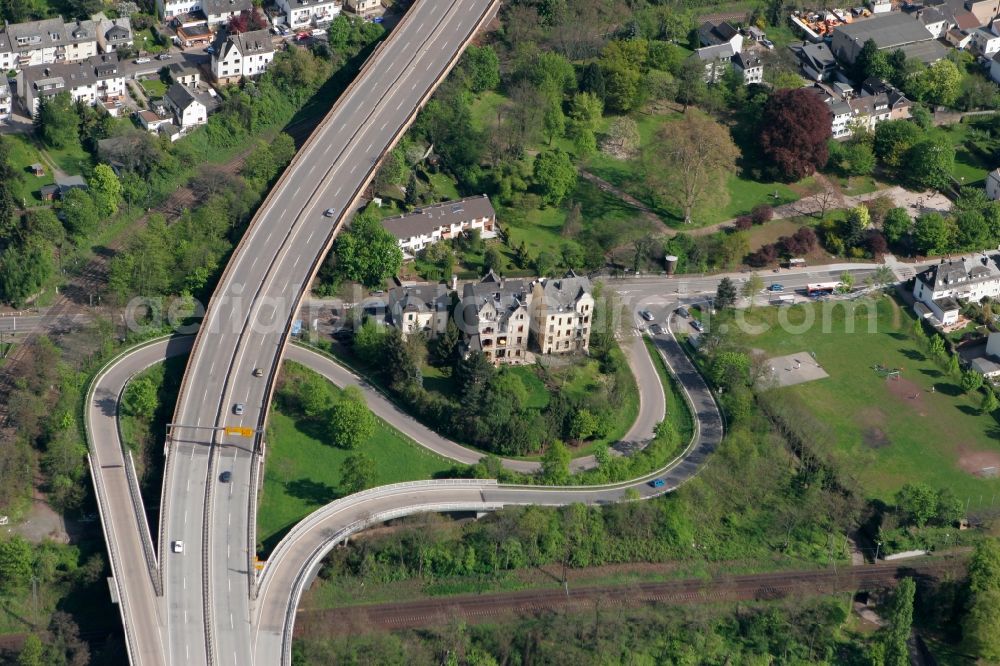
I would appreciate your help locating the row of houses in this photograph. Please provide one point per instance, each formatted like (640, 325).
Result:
(506, 320)
(293, 13)
(444, 221)
(55, 41)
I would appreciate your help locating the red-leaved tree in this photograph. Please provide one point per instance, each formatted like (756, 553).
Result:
(794, 128)
(246, 21)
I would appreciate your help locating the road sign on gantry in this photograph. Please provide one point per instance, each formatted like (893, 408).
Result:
(243, 432)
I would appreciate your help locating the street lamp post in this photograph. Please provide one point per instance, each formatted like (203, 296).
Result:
(878, 545)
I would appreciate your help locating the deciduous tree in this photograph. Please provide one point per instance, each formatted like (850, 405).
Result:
(794, 129)
(350, 420)
(689, 162)
(367, 253)
(357, 473)
(555, 175)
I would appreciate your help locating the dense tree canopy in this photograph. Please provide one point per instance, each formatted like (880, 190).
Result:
(794, 129)
(366, 252)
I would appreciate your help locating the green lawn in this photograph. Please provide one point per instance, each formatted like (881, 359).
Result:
(888, 432)
(72, 159)
(303, 472)
(744, 193)
(154, 88)
(24, 153)
(538, 394)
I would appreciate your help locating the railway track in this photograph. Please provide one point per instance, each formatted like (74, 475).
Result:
(726, 589)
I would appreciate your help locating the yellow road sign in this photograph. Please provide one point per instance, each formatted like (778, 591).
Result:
(243, 432)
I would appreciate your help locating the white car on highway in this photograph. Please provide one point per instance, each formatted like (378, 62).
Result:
(178, 546)
(329, 212)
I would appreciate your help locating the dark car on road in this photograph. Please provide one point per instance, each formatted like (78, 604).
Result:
(683, 311)
(697, 325)
(657, 483)
(226, 476)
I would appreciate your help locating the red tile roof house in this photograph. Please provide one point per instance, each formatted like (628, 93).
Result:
(451, 219)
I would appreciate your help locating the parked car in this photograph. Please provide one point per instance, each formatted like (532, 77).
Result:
(768, 44)
(657, 483)
(377, 19)
(141, 61)
(683, 311)
(318, 32)
(238, 408)
(164, 56)
(776, 287)
(178, 546)
(646, 314)
(210, 49)
(226, 476)
(697, 325)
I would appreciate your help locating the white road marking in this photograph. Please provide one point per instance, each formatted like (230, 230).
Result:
(185, 515)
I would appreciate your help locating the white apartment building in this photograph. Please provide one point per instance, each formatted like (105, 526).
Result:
(302, 13)
(431, 224)
(943, 285)
(97, 79)
(562, 314)
(244, 55)
(47, 42)
(187, 110)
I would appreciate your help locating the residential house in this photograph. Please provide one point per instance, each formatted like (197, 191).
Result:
(984, 10)
(750, 66)
(35, 43)
(184, 74)
(444, 221)
(244, 55)
(301, 13)
(81, 40)
(960, 39)
(419, 308)
(93, 81)
(220, 11)
(363, 7)
(899, 105)
(188, 112)
(989, 364)
(8, 58)
(495, 318)
(717, 59)
(970, 278)
(881, 6)
(5, 102)
(151, 122)
(993, 184)
(716, 34)
(890, 32)
(934, 21)
(214, 11)
(816, 60)
(562, 313)
(113, 34)
(754, 34)
(985, 42)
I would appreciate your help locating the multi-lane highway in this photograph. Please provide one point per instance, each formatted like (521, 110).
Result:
(289, 567)
(207, 587)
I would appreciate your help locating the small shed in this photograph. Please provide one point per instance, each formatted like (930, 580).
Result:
(37, 169)
(48, 192)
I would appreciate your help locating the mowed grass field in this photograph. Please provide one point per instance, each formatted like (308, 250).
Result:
(303, 471)
(888, 432)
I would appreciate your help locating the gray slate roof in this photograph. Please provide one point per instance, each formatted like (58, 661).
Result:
(561, 295)
(73, 74)
(425, 220)
(225, 6)
(418, 298)
(180, 96)
(888, 30)
(37, 34)
(953, 273)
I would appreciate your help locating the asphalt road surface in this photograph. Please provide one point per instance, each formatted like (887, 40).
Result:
(207, 587)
